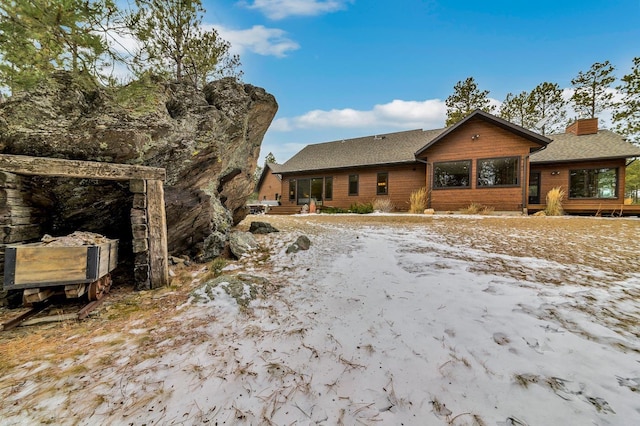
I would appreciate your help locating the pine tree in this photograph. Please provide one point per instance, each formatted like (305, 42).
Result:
(465, 99)
(174, 43)
(547, 109)
(517, 109)
(626, 116)
(591, 95)
(270, 159)
(40, 36)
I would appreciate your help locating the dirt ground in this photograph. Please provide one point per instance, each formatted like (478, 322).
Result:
(611, 245)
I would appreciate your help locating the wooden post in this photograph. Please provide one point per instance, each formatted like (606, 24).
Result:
(157, 226)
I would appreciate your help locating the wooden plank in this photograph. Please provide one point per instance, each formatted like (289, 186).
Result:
(33, 295)
(20, 211)
(50, 264)
(103, 265)
(75, 290)
(39, 166)
(18, 220)
(140, 231)
(138, 216)
(159, 264)
(140, 245)
(139, 201)
(10, 180)
(11, 234)
(138, 186)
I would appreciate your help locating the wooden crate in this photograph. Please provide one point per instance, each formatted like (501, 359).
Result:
(38, 265)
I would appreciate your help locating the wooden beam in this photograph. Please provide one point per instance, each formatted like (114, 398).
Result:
(157, 223)
(40, 166)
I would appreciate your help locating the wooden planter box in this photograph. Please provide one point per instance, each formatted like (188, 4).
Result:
(37, 265)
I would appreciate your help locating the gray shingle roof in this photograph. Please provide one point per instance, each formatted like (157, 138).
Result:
(389, 148)
(275, 167)
(569, 147)
(268, 168)
(402, 147)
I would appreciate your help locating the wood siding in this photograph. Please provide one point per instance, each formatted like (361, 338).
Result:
(491, 142)
(402, 181)
(271, 188)
(557, 175)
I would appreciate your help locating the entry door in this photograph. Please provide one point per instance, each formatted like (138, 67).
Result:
(534, 188)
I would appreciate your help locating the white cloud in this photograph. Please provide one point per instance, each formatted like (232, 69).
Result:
(257, 39)
(397, 114)
(280, 9)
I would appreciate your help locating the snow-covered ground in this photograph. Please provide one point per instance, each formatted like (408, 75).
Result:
(378, 325)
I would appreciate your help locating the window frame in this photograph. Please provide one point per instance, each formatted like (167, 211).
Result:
(435, 185)
(357, 184)
(385, 185)
(505, 185)
(595, 188)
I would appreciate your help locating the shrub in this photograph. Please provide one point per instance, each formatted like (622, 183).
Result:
(383, 205)
(363, 208)
(333, 210)
(554, 202)
(476, 208)
(419, 200)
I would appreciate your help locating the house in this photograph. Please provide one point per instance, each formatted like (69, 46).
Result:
(481, 159)
(269, 185)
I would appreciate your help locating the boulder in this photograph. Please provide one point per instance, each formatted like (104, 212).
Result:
(262, 228)
(301, 243)
(207, 140)
(241, 243)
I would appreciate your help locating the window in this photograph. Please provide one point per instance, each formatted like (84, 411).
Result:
(498, 171)
(316, 189)
(292, 190)
(383, 184)
(452, 174)
(593, 183)
(304, 191)
(353, 184)
(328, 188)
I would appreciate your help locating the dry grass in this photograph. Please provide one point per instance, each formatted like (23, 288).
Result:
(383, 205)
(419, 200)
(554, 202)
(475, 208)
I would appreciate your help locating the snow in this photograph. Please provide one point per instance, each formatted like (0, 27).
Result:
(388, 325)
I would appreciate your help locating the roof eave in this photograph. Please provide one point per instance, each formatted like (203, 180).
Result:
(357, 166)
(580, 160)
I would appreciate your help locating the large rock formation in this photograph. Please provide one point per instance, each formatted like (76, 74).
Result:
(208, 141)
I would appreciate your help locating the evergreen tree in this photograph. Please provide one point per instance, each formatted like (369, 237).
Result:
(547, 109)
(270, 159)
(174, 43)
(591, 96)
(517, 109)
(626, 116)
(465, 99)
(632, 182)
(39, 36)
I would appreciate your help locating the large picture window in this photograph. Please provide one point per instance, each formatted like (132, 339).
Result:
(452, 174)
(593, 183)
(353, 184)
(383, 184)
(498, 171)
(328, 188)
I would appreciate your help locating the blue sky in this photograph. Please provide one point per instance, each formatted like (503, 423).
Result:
(348, 68)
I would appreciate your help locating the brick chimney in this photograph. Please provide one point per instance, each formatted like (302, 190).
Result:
(584, 126)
